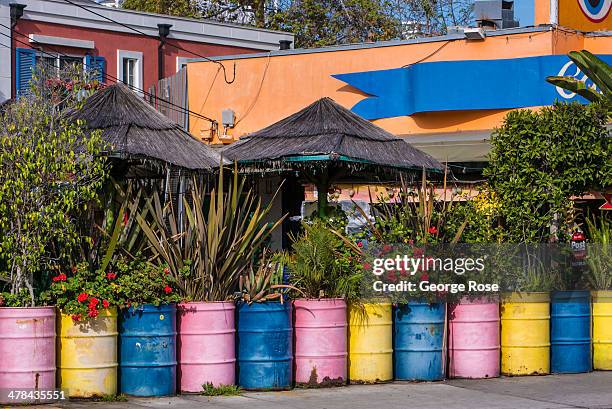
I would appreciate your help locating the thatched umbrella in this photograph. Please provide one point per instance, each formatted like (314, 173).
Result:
(326, 141)
(133, 129)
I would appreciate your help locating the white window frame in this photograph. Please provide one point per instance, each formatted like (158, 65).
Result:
(180, 61)
(138, 75)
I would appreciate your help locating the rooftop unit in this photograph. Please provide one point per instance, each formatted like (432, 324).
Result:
(495, 14)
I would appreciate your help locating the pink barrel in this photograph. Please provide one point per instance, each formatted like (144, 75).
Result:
(27, 348)
(473, 348)
(206, 351)
(320, 342)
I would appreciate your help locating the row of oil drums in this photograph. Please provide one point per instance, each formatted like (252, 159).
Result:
(153, 351)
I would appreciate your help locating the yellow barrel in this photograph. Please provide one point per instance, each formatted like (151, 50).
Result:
(370, 343)
(602, 330)
(525, 333)
(87, 355)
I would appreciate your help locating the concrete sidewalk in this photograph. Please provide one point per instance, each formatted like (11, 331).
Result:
(593, 391)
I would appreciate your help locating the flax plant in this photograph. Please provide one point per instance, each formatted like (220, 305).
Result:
(215, 243)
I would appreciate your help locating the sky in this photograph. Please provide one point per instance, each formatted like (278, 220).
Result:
(523, 11)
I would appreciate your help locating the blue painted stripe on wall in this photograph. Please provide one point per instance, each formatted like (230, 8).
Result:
(461, 85)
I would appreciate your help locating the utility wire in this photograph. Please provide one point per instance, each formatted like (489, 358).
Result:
(156, 38)
(108, 76)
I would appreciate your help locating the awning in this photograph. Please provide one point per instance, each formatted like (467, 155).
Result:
(469, 146)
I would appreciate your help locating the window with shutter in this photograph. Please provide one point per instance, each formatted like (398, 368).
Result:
(98, 65)
(25, 61)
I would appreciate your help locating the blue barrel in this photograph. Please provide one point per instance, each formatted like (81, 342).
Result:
(147, 350)
(418, 341)
(265, 346)
(570, 332)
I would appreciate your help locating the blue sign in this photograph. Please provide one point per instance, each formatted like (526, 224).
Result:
(463, 85)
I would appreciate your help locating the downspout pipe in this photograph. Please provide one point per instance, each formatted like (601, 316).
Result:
(164, 31)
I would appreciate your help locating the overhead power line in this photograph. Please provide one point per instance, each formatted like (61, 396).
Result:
(178, 47)
(172, 106)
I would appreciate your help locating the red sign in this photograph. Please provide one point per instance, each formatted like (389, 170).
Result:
(608, 204)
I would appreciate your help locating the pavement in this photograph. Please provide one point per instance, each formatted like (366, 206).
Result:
(593, 391)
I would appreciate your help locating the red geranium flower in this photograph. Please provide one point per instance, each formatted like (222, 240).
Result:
(367, 266)
(433, 230)
(93, 313)
(166, 270)
(111, 276)
(424, 277)
(59, 277)
(167, 289)
(82, 297)
(93, 302)
(105, 303)
(76, 317)
(359, 244)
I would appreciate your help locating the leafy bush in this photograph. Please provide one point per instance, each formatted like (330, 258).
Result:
(599, 253)
(324, 263)
(51, 169)
(140, 282)
(540, 159)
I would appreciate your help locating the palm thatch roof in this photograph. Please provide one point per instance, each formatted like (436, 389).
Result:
(136, 130)
(325, 130)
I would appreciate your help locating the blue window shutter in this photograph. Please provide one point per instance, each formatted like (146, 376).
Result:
(25, 61)
(98, 64)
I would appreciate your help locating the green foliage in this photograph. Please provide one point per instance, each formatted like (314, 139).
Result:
(213, 246)
(112, 398)
(326, 22)
(479, 217)
(182, 8)
(599, 253)
(208, 389)
(539, 159)
(318, 23)
(139, 282)
(325, 264)
(83, 291)
(415, 214)
(264, 279)
(50, 172)
(597, 70)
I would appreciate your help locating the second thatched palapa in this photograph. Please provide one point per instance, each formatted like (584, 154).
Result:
(326, 141)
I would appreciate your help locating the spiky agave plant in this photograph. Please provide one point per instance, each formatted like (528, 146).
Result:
(599, 253)
(264, 279)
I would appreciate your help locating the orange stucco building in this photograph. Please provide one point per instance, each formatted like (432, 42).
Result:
(443, 94)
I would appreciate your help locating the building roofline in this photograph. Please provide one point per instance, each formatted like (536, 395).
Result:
(379, 44)
(189, 29)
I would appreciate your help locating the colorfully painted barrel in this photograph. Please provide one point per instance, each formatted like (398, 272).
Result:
(370, 343)
(525, 333)
(570, 332)
(418, 341)
(320, 342)
(473, 344)
(87, 355)
(602, 330)
(265, 346)
(147, 350)
(206, 341)
(27, 348)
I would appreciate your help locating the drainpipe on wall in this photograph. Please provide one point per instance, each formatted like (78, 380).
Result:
(16, 14)
(164, 31)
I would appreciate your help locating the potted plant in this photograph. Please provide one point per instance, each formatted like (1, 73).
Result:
(599, 261)
(50, 169)
(205, 251)
(87, 302)
(325, 267)
(265, 333)
(525, 316)
(147, 329)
